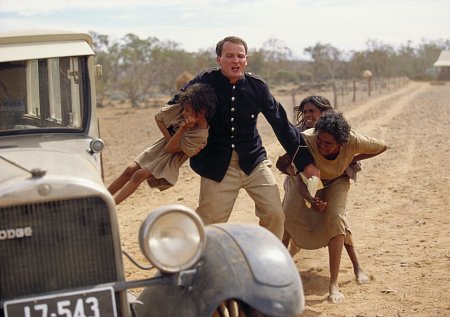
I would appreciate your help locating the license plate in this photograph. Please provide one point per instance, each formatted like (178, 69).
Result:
(85, 303)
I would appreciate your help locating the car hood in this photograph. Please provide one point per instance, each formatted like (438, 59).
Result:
(18, 163)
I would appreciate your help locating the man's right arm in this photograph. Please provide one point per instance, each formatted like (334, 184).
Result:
(303, 159)
(287, 134)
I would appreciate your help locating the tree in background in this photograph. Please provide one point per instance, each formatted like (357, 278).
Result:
(277, 60)
(134, 72)
(136, 69)
(326, 60)
(103, 58)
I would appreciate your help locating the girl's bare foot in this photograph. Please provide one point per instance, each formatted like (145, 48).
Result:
(335, 295)
(361, 276)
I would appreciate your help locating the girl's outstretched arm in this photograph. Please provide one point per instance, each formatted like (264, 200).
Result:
(360, 157)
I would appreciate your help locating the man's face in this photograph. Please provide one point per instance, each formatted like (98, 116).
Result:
(233, 61)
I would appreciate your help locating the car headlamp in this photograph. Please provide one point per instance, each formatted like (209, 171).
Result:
(96, 145)
(172, 238)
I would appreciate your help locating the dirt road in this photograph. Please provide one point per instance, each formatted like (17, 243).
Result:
(399, 208)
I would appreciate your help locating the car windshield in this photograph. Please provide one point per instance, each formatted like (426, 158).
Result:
(42, 95)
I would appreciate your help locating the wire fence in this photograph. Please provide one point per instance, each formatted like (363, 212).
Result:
(341, 93)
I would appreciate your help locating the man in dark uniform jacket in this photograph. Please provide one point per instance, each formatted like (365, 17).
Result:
(234, 156)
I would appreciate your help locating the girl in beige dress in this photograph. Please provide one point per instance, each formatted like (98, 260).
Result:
(334, 147)
(185, 130)
(308, 113)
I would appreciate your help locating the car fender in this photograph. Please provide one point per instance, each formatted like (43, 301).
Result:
(241, 261)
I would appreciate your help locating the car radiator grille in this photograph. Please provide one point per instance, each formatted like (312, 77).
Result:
(71, 246)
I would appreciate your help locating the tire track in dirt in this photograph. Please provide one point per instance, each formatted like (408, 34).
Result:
(392, 105)
(408, 158)
(383, 112)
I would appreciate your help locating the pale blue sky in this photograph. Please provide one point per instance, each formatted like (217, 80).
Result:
(199, 24)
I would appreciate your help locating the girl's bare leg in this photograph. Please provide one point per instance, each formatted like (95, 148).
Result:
(335, 247)
(293, 248)
(361, 276)
(286, 238)
(123, 178)
(130, 187)
(290, 244)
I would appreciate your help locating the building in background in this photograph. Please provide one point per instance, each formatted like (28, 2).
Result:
(443, 65)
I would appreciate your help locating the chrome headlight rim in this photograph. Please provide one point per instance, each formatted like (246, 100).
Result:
(154, 219)
(96, 145)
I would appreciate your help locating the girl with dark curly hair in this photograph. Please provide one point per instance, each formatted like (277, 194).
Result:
(307, 114)
(320, 221)
(185, 131)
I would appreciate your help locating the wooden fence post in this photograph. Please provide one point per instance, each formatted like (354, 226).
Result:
(335, 95)
(294, 103)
